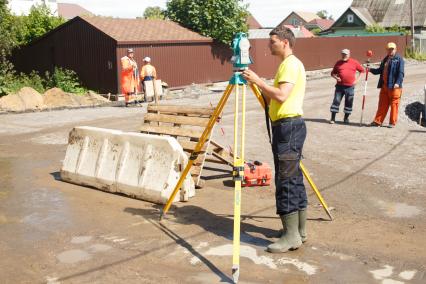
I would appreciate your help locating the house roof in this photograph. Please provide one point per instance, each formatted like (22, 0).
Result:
(298, 32)
(69, 10)
(377, 8)
(364, 15)
(324, 24)
(394, 12)
(127, 31)
(253, 23)
(307, 16)
(398, 14)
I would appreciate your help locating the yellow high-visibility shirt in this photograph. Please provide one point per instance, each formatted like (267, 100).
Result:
(291, 70)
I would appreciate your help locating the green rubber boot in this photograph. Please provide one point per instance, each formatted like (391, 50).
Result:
(302, 224)
(291, 239)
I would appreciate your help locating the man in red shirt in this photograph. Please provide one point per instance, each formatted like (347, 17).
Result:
(344, 72)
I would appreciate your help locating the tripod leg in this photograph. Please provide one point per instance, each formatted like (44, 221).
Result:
(317, 192)
(258, 95)
(198, 147)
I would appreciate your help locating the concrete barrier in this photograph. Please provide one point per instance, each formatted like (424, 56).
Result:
(139, 165)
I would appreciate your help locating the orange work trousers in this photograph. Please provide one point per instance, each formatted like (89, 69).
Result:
(388, 98)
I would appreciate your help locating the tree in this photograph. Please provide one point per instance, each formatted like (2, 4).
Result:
(39, 21)
(219, 19)
(154, 13)
(324, 14)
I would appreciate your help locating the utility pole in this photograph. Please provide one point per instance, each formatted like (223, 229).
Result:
(412, 25)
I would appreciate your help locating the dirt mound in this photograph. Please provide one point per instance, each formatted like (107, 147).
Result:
(12, 102)
(32, 99)
(55, 97)
(92, 99)
(25, 99)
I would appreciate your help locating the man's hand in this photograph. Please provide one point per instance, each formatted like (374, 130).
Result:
(396, 86)
(252, 77)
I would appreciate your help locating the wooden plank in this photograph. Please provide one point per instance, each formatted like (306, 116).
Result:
(181, 109)
(170, 130)
(190, 145)
(185, 120)
(199, 159)
(221, 153)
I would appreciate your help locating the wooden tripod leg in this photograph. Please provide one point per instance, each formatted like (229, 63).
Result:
(258, 95)
(198, 147)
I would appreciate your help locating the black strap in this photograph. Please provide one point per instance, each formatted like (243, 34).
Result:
(267, 119)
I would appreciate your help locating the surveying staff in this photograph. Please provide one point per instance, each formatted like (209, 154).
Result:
(285, 99)
(344, 72)
(129, 78)
(391, 72)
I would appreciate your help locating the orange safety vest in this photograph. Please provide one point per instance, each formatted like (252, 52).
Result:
(129, 77)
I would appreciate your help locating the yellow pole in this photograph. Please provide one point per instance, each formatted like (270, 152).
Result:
(317, 192)
(198, 147)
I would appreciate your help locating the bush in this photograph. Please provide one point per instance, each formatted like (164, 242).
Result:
(11, 82)
(65, 79)
(416, 55)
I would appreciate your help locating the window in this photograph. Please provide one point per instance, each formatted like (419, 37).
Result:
(294, 22)
(350, 18)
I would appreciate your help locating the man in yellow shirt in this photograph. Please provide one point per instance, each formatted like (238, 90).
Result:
(285, 99)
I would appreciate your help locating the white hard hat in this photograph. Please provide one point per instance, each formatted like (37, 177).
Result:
(147, 59)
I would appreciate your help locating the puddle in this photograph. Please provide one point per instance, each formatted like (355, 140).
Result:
(302, 266)
(99, 248)
(408, 275)
(380, 274)
(245, 251)
(47, 212)
(399, 210)
(73, 256)
(81, 239)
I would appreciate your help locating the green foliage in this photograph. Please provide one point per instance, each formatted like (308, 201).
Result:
(65, 79)
(416, 55)
(11, 82)
(316, 31)
(376, 28)
(324, 14)
(398, 29)
(154, 13)
(219, 19)
(39, 21)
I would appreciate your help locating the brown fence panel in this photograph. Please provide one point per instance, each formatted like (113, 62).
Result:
(318, 53)
(186, 63)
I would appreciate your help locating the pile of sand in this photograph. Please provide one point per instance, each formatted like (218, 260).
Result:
(55, 97)
(25, 99)
(28, 99)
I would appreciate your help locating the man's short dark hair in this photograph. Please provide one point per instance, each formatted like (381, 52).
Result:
(284, 33)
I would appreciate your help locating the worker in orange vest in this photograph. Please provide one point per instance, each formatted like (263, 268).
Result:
(148, 72)
(129, 77)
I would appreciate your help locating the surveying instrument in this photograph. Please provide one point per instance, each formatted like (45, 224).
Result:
(241, 60)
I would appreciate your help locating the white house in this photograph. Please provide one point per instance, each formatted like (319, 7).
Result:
(22, 7)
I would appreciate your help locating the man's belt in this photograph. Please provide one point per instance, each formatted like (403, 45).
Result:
(285, 119)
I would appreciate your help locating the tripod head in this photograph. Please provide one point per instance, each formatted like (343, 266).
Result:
(241, 57)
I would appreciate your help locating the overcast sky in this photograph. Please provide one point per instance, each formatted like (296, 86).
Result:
(268, 12)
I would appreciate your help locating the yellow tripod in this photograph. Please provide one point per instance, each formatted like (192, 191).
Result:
(238, 167)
